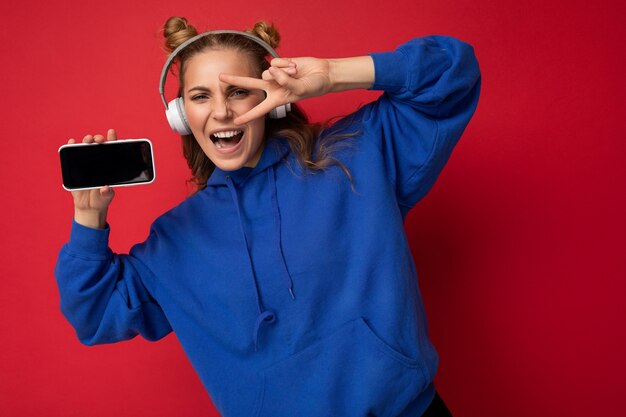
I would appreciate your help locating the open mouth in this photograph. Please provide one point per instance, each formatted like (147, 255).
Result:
(227, 139)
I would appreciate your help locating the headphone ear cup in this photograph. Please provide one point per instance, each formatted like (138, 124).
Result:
(176, 116)
(280, 111)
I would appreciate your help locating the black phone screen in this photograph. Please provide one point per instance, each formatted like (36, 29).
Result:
(124, 162)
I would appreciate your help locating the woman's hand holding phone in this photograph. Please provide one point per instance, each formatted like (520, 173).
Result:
(91, 206)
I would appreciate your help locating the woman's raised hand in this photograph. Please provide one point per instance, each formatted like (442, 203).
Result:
(91, 206)
(288, 80)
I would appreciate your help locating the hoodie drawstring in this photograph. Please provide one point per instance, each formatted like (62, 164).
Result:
(265, 316)
(271, 178)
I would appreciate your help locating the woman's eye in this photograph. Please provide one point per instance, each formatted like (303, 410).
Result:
(198, 97)
(239, 93)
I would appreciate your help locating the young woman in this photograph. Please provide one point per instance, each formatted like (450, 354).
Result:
(287, 277)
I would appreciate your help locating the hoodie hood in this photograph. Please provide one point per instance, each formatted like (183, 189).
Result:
(274, 150)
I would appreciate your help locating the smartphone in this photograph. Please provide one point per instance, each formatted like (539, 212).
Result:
(118, 163)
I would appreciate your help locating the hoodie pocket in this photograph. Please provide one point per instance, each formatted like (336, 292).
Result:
(350, 373)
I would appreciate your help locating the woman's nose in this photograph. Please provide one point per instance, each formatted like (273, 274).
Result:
(220, 110)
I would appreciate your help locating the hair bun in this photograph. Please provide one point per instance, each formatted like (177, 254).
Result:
(176, 31)
(267, 32)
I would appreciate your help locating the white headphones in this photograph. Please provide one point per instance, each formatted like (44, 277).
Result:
(175, 109)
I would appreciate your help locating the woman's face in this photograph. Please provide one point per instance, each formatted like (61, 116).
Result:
(211, 107)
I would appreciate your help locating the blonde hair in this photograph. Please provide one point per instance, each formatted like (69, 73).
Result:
(301, 135)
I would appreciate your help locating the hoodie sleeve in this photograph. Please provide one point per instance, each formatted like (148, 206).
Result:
(431, 87)
(102, 294)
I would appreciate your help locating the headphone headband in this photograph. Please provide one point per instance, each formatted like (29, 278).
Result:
(188, 42)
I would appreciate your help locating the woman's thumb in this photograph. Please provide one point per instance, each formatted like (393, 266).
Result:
(107, 192)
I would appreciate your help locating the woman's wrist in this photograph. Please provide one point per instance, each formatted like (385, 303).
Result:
(95, 219)
(351, 73)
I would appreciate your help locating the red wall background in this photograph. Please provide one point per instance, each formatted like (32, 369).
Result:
(520, 247)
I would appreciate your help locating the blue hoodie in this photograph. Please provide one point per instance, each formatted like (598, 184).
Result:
(292, 293)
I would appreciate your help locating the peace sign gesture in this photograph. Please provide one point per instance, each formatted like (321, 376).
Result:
(288, 80)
